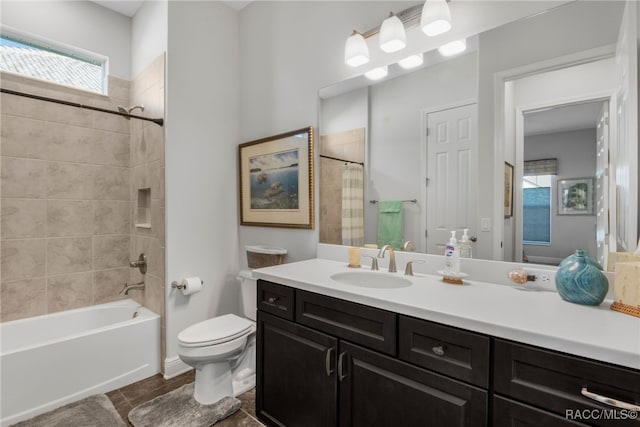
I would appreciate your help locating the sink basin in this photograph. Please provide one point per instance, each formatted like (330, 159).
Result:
(371, 279)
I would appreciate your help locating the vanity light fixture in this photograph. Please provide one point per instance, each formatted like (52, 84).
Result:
(412, 61)
(377, 73)
(453, 48)
(436, 17)
(356, 52)
(392, 35)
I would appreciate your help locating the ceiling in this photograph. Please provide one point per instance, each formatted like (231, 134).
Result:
(563, 118)
(130, 7)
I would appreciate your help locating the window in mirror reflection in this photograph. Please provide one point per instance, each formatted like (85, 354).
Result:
(536, 209)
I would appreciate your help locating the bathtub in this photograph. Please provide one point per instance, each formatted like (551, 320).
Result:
(51, 360)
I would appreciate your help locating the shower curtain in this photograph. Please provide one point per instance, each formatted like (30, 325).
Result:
(353, 204)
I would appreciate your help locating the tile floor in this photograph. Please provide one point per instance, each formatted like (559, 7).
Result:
(126, 398)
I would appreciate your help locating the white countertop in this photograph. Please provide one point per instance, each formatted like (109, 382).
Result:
(538, 318)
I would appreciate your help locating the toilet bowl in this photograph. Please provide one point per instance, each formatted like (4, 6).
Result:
(222, 349)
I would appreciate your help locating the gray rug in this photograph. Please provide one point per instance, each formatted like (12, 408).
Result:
(93, 411)
(179, 408)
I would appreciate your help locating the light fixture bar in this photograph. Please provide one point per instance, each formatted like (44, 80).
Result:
(409, 17)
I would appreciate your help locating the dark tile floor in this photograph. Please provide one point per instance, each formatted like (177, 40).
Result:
(127, 398)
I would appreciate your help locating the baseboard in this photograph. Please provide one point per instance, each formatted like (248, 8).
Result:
(174, 366)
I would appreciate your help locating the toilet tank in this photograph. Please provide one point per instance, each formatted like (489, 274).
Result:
(259, 256)
(248, 294)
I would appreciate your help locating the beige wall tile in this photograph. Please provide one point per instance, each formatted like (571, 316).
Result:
(69, 181)
(111, 217)
(155, 255)
(154, 139)
(154, 294)
(23, 218)
(67, 115)
(118, 88)
(22, 298)
(111, 183)
(107, 284)
(138, 143)
(111, 252)
(112, 122)
(155, 179)
(23, 178)
(68, 255)
(110, 148)
(66, 218)
(67, 143)
(69, 291)
(22, 259)
(23, 137)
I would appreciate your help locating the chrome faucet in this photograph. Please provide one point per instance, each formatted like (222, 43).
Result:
(125, 290)
(392, 257)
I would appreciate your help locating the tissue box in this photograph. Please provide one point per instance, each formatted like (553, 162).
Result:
(627, 288)
(616, 257)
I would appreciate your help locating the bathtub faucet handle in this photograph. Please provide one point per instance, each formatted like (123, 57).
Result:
(140, 263)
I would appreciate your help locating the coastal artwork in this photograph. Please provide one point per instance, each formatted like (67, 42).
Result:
(274, 180)
(576, 196)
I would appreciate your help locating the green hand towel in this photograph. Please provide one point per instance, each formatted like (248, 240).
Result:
(390, 223)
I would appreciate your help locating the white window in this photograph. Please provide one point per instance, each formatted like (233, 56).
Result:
(33, 57)
(536, 209)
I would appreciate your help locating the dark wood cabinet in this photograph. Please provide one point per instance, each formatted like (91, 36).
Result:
(296, 382)
(378, 390)
(323, 361)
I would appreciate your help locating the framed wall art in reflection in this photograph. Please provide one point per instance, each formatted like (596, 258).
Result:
(508, 190)
(276, 180)
(576, 196)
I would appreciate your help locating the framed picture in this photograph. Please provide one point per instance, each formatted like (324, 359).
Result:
(508, 190)
(276, 180)
(576, 196)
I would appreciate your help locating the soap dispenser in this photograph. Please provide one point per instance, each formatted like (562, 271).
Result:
(452, 256)
(465, 245)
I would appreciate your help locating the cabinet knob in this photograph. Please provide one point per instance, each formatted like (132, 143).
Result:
(272, 300)
(438, 350)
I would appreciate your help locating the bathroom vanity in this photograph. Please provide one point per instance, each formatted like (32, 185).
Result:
(430, 354)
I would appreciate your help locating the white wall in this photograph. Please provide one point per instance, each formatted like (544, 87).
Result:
(344, 112)
(148, 34)
(396, 132)
(80, 24)
(203, 77)
(576, 154)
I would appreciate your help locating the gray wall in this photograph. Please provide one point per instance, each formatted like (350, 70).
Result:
(576, 154)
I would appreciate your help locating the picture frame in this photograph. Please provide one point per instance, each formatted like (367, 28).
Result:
(576, 196)
(508, 190)
(276, 180)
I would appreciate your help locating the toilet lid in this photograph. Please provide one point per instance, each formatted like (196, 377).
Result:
(215, 331)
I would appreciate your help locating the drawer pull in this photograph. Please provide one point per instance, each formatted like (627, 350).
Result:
(341, 375)
(272, 300)
(327, 362)
(609, 401)
(438, 350)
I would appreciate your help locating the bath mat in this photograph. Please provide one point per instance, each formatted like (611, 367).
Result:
(93, 411)
(179, 408)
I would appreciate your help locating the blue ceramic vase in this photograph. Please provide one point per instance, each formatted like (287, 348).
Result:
(579, 281)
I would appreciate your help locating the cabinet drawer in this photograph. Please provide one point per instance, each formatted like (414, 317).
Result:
(276, 299)
(554, 381)
(450, 351)
(507, 413)
(367, 326)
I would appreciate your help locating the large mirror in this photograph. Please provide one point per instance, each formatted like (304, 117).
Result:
(438, 142)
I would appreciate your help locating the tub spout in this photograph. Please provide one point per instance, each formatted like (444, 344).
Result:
(126, 288)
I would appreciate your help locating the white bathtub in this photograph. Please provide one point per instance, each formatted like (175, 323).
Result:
(51, 360)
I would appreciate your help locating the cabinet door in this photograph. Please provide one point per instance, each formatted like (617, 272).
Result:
(377, 390)
(296, 381)
(507, 413)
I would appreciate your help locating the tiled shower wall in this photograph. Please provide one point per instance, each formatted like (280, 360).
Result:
(67, 230)
(147, 162)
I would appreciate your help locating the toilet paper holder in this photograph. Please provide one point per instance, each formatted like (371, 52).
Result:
(176, 285)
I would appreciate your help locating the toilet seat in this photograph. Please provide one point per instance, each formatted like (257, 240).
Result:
(214, 331)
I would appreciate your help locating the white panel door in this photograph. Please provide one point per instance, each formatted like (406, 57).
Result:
(452, 142)
(626, 144)
(602, 184)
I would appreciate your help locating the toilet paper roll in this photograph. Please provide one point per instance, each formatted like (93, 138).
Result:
(191, 285)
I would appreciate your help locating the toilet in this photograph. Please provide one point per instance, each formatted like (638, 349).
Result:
(223, 349)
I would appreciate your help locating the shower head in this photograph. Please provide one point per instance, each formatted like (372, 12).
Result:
(125, 110)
